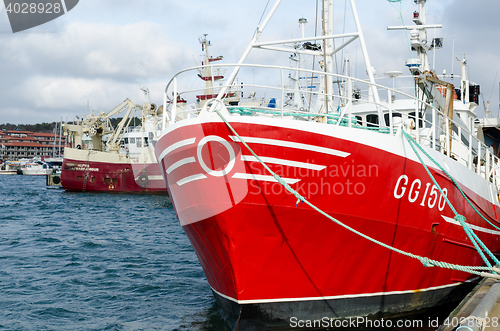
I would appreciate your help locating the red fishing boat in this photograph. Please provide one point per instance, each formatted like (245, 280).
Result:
(107, 159)
(244, 178)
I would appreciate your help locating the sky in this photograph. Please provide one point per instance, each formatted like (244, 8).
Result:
(102, 51)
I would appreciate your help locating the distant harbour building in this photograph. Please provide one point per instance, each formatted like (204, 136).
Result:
(15, 144)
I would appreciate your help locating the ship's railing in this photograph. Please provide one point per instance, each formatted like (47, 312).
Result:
(428, 125)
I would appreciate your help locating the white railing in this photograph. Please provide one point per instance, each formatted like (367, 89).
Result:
(429, 126)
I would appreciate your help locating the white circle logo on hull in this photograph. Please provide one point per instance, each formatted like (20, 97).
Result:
(225, 143)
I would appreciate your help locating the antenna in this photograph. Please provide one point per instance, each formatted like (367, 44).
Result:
(452, 57)
(487, 112)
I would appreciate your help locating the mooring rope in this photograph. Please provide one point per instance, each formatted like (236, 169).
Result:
(476, 270)
(460, 218)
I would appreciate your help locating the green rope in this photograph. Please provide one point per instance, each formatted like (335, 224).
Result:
(424, 260)
(460, 218)
(456, 185)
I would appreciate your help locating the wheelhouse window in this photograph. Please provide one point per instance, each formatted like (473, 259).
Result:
(386, 117)
(372, 120)
(411, 116)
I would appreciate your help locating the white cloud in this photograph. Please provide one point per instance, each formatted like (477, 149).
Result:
(104, 62)
(68, 93)
(103, 52)
(97, 50)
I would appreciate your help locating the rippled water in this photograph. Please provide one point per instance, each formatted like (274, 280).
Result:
(84, 261)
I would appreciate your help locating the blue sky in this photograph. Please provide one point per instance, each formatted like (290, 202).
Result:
(101, 52)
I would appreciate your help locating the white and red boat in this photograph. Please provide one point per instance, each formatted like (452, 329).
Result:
(113, 160)
(36, 168)
(271, 258)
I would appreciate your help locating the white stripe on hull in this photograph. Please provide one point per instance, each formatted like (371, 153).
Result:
(175, 146)
(191, 179)
(264, 178)
(472, 226)
(290, 144)
(338, 297)
(251, 158)
(180, 164)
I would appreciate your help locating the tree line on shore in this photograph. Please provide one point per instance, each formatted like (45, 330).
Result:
(49, 127)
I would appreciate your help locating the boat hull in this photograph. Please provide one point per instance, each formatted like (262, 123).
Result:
(325, 313)
(274, 258)
(102, 172)
(8, 172)
(37, 172)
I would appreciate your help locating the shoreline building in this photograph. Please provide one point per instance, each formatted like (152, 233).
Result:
(16, 144)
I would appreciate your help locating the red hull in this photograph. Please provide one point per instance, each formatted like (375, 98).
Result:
(77, 175)
(257, 247)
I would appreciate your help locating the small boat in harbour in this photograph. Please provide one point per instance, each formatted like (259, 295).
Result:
(36, 168)
(331, 200)
(9, 167)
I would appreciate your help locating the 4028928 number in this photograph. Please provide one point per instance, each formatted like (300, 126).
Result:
(33, 8)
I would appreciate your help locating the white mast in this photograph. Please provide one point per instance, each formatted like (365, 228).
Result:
(255, 38)
(208, 70)
(418, 38)
(297, 95)
(328, 52)
(368, 65)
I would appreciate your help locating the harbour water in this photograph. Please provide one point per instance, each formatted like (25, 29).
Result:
(86, 261)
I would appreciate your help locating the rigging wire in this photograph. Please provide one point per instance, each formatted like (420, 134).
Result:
(314, 57)
(400, 11)
(487, 105)
(324, 57)
(262, 16)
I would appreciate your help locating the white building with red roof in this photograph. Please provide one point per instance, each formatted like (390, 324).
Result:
(15, 144)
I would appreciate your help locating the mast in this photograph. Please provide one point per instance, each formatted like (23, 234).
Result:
(464, 87)
(255, 38)
(55, 140)
(368, 65)
(296, 57)
(207, 74)
(418, 39)
(60, 137)
(328, 51)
